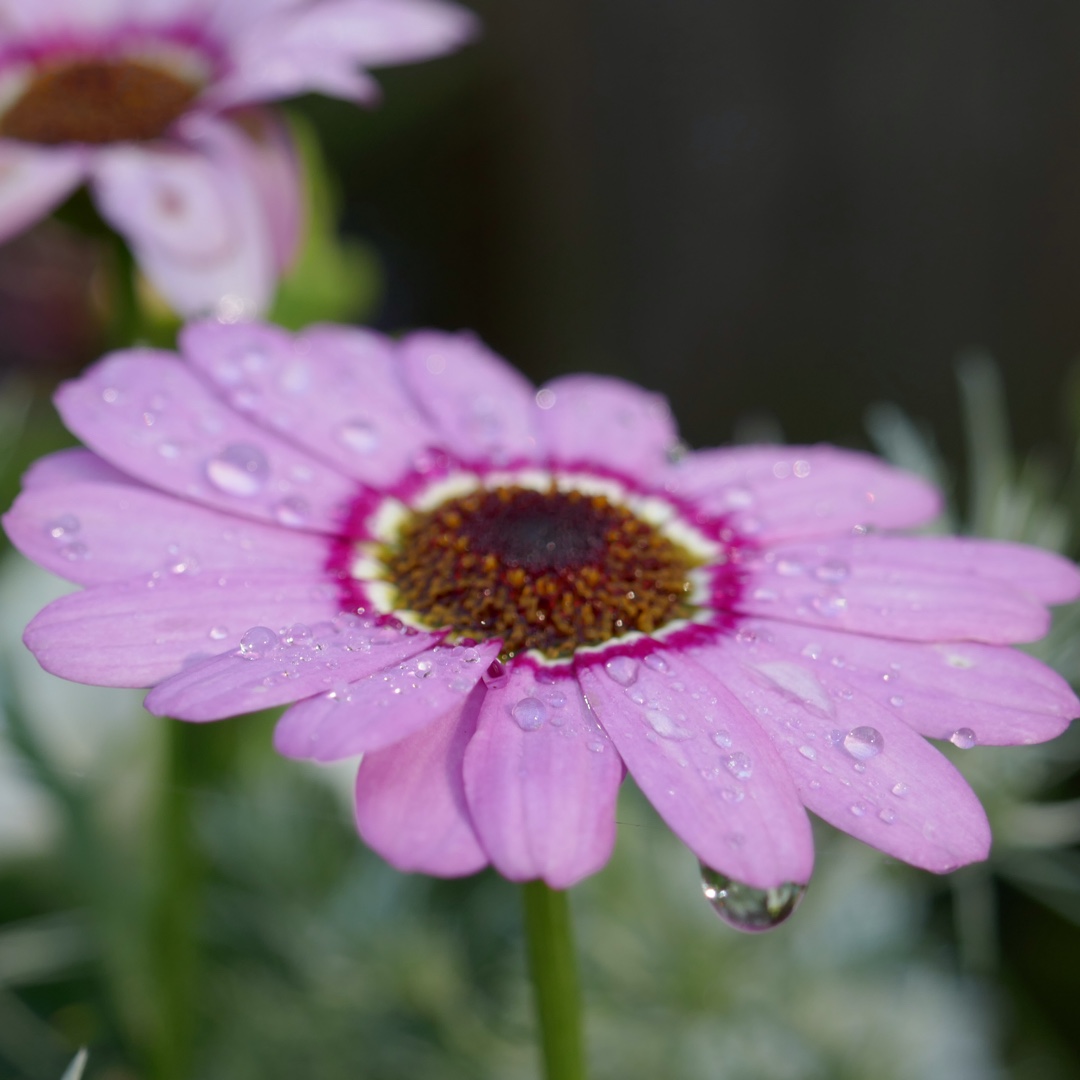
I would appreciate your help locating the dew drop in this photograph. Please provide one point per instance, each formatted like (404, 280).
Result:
(665, 726)
(623, 669)
(808, 752)
(830, 606)
(963, 738)
(832, 571)
(529, 714)
(74, 551)
(864, 743)
(722, 739)
(496, 676)
(292, 512)
(257, 642)
(656, 663)
(900, 789)
(746, 908)
(218, 633)
(858, 809)
(359, 436)
(239, 469)
(888, 816)
(595, 745)
(63, 527)
(739, 765)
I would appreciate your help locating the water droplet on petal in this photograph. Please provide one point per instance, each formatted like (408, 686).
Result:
(63, 527)
(864, 743)
(722, 739)
(218, 633)
(858, 809)
(656, 663)
(359, 436)
(808, 752)
(623, 669)
(739, 765)
(896, 700)
(888, 816)
(595, 745)
(496, 676)
(900, 789)
(746, 908)
(963, 738)
(529, 714)
(833, 571)
(257, 642)
(292, 512)
(665, 726)
(239, 470)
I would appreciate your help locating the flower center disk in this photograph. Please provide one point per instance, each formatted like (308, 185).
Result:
(548, 570)
(97, 101)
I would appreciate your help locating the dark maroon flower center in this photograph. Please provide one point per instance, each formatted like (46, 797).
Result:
(546, 570)
(97, 101)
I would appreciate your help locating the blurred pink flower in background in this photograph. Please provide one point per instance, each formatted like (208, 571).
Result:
(159, 106)
(504, 598)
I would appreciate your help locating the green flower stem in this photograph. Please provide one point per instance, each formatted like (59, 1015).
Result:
(553, 966)
(173, 907)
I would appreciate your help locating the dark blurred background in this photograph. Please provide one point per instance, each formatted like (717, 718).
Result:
(782, 207)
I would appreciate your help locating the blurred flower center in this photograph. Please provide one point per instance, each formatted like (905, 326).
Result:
(544, 570)
(97, 101)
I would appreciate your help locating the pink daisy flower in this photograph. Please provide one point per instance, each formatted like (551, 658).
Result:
(505, 598)
(157, 104)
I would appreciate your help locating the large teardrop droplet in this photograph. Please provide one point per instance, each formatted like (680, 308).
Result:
(746, 908)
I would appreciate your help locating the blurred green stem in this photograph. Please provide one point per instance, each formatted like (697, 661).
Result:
(173, 902)
(553, 966)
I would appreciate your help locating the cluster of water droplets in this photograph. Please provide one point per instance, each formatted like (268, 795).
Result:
(65, 533)
(746, 908)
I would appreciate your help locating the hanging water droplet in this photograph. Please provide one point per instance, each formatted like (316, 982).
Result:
(359, 436)
(257, 642)
(739, 765)
(239, 469)
(529, 714)
(496, 676)
(292, 512)
(623, 669)
(963, 738)
(746, 908)
(864, 743)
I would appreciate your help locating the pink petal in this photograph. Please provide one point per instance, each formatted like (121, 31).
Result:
(334, 390)
(320, 47)
(410, 799)
(294, 667)
(708, 768)
(274, 167)
(1003, 696)
(33, 181)
(484, 410)
(193, 218)
(97, 532)
(587, 419)
(1045, 575)
(73, 466)
(542, 779)
(147, 413)
(892, 789)
(386, 707)
(380, 32)
(890, 587)
(138, 632)
(777, 493)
